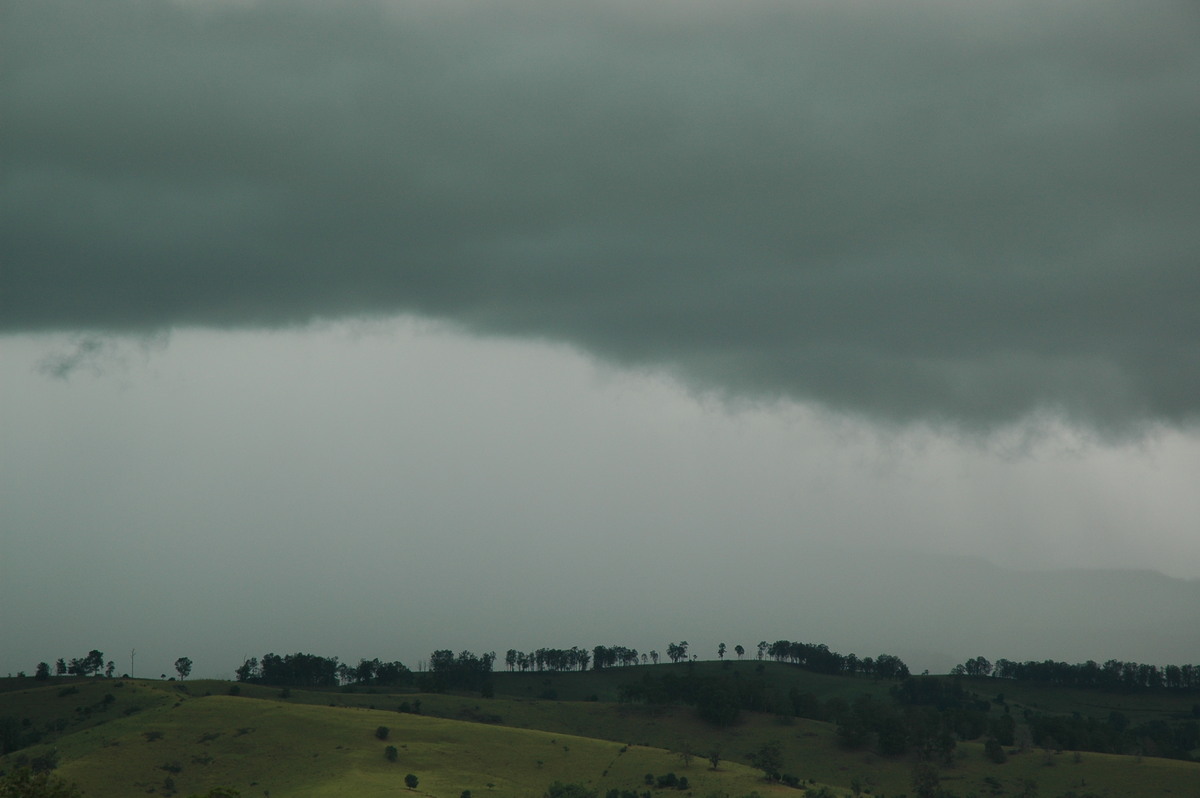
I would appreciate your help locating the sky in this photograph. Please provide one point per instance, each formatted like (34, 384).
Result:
(369, 328)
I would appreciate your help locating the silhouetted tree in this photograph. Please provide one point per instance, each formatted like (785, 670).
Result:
(677, 651)
(739, 650)
(248, 671)
(183, 666)
(925, 780)
(769, 759)
(721, 651)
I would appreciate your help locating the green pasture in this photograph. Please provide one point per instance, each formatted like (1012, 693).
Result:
(275, 747)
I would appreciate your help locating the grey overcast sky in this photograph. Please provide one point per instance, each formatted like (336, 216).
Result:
(370, 327)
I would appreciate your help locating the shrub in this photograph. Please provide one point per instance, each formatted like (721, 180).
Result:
(391, 753)
(411, 781)
(465, 794)
(46, 762)
(994, 751)
(570, 790)
(382, 732)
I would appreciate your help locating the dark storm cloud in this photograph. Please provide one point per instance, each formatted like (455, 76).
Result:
(941, 211)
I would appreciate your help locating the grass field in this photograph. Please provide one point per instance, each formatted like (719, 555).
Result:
(139, 737)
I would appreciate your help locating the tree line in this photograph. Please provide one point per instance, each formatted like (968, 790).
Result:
(1113, 675)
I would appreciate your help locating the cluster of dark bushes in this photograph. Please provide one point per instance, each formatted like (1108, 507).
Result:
(667, 781)
(1116, 735)
(17, 734)
(929, 714)
(717, 699)
(720, 699)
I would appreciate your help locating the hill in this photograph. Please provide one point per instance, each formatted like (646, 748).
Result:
(125, 737)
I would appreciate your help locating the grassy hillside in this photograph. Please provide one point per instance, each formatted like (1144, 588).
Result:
(283, 747)
(126, 737)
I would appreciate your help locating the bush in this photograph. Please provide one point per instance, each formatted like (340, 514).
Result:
(391, 753)
(994, 751)
(24, 783)
(382, 732)
(411, 781)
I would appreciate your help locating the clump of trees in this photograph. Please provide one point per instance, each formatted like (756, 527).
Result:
(310, 670)
(611, 656)
(677, 651)
(91, 665)
(818, 658)
(466, 671)
(292, 670)
(554, 659)
(375, 672)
